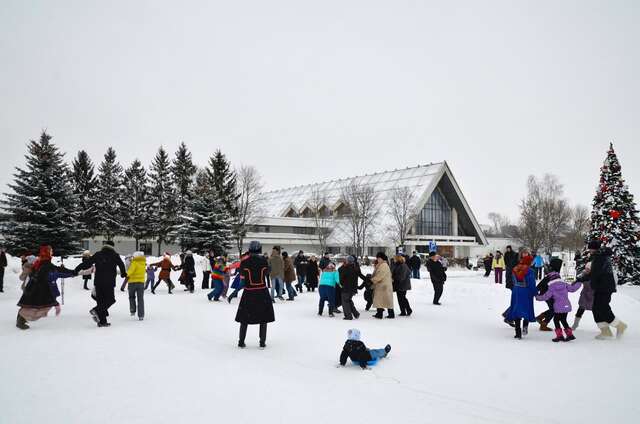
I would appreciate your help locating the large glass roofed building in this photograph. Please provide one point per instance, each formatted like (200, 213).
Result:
(439, 210)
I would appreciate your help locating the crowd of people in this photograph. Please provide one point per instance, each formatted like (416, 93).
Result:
(263, 279)
(596, 278)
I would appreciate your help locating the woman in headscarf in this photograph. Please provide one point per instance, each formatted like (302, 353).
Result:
(524, 289)
(38, 299)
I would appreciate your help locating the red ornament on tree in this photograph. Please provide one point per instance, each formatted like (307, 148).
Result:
(614, 214)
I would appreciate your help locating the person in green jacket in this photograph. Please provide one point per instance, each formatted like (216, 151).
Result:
(137, 275)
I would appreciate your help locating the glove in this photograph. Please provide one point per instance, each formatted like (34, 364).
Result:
(58, 310)
(123, 275)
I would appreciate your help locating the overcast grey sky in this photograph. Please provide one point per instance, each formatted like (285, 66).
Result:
(310, 91)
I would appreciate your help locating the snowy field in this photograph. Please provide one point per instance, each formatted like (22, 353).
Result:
(457, 363)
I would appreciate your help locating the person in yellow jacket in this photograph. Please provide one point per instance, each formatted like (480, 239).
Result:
(498, 266)
(137, 275)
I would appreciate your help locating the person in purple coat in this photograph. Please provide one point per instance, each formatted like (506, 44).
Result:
(559, 292)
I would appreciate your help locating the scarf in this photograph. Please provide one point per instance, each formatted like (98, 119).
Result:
(520, 271)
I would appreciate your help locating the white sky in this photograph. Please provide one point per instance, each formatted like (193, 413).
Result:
(310, 91)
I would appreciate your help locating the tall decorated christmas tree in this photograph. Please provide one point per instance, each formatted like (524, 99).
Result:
(41, 207)
(614, 220)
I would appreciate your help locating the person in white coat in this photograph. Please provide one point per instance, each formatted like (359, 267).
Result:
(205, 264)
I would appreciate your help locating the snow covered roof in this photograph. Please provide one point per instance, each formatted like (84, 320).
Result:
(418, 178)
(422, 180)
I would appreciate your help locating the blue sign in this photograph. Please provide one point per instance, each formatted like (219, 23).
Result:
(433, 247)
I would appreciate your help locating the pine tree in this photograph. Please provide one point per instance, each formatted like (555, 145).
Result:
(163, 201)
(41, 208)
(614, 220)
(110, 196)
(85, 189)
(207, 226)
(136, 203)
(183, 171)
(224, 181)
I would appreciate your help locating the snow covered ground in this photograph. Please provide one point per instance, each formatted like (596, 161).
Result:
(457, 363)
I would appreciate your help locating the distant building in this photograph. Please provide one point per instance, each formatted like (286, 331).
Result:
(442, 214)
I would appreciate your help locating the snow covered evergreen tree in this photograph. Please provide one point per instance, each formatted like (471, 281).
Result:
(163, 199)
(614, 220)
(224, 181)
(183, 171)
(207, 225)
(136, 203)
(84, 184)
(110, 196)
(41, 208)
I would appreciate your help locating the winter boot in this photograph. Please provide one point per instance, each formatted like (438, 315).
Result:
(331, 311)
(543, 323)
(559, 336)
(525, 330)
(391, 314)
(378, 314)
(104, 324)
(569, 333)
(518, 333)
(21, 323)
(605, 331)
(94, 315)
(320, 309)
(576, 323)
(85, 285)
(619, 326)
(387, 349)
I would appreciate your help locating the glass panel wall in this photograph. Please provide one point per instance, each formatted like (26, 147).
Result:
(435, 217)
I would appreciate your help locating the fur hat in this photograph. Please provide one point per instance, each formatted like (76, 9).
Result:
(86, 253)
(595, 245)
(353, 334)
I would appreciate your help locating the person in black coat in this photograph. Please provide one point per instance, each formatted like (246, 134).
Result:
(349, 274)
(107, 262)
(438, 276)
(313, 272)
(511, 260)
(603, 284)
(188, 267)
(488, 264)
(86, 255)
(3, 265)
(300, 262)
(256, 306)
(401, 275)
(37, 298)
(357, 351)
(414, 264)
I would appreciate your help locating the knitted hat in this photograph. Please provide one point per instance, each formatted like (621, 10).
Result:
(86, 253)
(353, 334)
(556, 264)
(351, 259)
(138, 254)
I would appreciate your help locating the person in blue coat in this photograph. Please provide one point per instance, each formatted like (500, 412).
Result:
(538, 265)
(524, 289)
